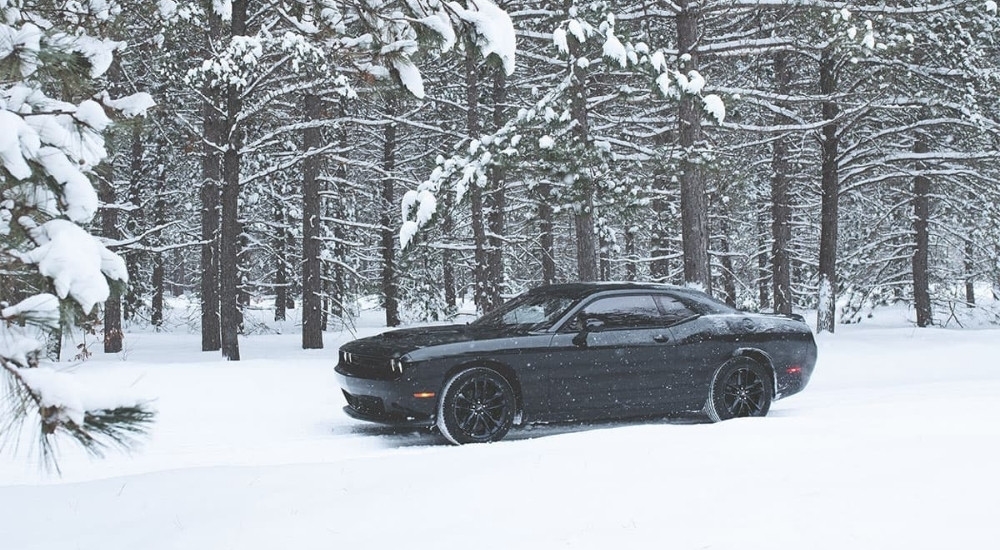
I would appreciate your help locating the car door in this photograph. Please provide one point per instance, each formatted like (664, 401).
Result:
(693, 353)
(606, 371)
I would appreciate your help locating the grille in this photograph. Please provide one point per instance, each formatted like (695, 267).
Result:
(367, 366)
(365, 404)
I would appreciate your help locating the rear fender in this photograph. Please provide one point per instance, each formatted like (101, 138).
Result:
(763, 358)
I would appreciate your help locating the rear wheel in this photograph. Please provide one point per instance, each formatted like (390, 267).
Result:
(742, 387)
(476, 406)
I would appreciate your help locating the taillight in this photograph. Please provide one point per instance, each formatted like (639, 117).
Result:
(794, 369)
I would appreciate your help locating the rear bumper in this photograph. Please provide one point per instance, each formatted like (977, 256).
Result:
(387, 401)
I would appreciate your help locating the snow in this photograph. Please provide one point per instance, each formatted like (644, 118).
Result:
(16, 142)
(409, 75)
(892, 445)
(131, 106)
(559, 39)
(695, 83)
(17, 348)
(577, 30)
(73, 259)
(658, 61)
(24, 42)
(92, 114)
(546, 142)
(991, 7)
(441, 24)
(614, 50)
(715, 107)
(494, 30)
(167, 8)
(42, 308)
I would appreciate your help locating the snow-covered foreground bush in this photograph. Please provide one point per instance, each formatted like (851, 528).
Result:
(49, 148)
(892, 445)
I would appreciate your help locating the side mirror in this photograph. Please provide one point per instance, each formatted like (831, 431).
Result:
(592, 324)
(587, 325)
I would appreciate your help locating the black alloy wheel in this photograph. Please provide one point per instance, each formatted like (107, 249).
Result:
(741, 388)
(477, 406)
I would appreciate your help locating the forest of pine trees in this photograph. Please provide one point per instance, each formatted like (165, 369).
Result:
(805, 154)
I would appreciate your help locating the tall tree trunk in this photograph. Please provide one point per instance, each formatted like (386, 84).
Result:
(694, 208)
(496, 203)
(970, 273)
(728, 277)
(447, 259)
(159, 217)
(136, 192)
(659, 267)
(830, 188)
(480, 268)
(229, 272)
(921, 248)
(211, 175)
(312, 283)
(280, 245)
(546, 240)
(338, 292)
(781, 212)
(583, 217)
(243, 261)
(109, 230)
(604, 257)
(630, 264)
(389, 207)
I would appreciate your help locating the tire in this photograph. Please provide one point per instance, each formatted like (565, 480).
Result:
(476, 406)
(740, 388)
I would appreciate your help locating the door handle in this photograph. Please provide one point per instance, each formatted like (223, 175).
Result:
(661, 338)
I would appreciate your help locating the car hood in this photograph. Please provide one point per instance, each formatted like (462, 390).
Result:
(396, 343)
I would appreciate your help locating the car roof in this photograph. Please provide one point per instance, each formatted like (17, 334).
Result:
(585, 288)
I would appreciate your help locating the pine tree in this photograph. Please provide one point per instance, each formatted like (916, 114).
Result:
(50, 150)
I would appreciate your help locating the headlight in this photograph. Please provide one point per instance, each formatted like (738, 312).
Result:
(396, 365)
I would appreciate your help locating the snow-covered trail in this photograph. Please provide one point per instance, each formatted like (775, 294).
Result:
(893, 445)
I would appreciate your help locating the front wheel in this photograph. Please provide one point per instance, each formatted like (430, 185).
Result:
(477, 406)
(742, 387)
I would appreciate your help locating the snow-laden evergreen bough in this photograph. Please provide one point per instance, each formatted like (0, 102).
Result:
(50, 266)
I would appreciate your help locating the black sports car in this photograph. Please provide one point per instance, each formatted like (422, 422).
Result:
(584, 351)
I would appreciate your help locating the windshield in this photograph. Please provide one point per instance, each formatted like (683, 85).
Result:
(530, 311)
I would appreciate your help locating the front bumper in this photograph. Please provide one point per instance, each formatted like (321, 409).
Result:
(387, 401)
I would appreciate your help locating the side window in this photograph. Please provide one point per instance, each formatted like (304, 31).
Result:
(619, 312)
(674, 310)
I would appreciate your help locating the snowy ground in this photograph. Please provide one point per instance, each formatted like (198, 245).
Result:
(894, 444)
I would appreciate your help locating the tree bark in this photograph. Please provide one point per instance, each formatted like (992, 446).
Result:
(830, 188)
(728, 277)
(694, 209)
(496, 203)
(630, 264)
(921, 246)
(135, 223)
(312, 283)
(159, 217)
(659, 267)
(229, 272)
(781, 212)
(583, 217)
(389, 207)
(109, 229)
(480, 268)
(281, 257)
(970, 274)
(339, 290)
(546, 240)
(211, 173)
